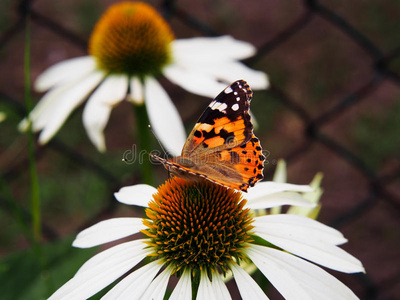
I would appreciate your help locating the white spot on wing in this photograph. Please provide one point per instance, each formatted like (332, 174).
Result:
(238, 99)
(212, 103)
(228, 90)
(220, 106)
(235, 107)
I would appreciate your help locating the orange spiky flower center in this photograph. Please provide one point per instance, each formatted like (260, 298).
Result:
(198, 225)
(131, 38)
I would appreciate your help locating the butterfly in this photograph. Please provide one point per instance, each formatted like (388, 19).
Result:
(222, 147)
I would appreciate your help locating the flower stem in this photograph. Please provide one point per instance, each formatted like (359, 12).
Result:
(34, 181)
(144, 139)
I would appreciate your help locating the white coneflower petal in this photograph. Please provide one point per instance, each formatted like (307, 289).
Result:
(210, 50)
(248, 288)
(295, 225)
(317, 250)
(99, 105)
(138, 194)
(136, 91)
(156, 290)
(200, 62)
(269, 194)
(183, 289)
(95, 117)
(277, 272)
(65, 71)
(101, 270)
(130, 251)
(279, 199)
(164, 117)
(219, 287)
(317, 281)
(269, 187)
(311, 196)
(296, 278)
(206, 291)
(107, 231)
(67, 102)
(193, 81)
(227, 71)
(112, 90)
(43, 111)
(129, 287)
(258, 80)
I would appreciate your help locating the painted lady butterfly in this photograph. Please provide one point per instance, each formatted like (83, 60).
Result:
(222, 147)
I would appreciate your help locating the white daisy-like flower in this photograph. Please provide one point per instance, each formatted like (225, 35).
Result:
(131, 45)
(199, 231)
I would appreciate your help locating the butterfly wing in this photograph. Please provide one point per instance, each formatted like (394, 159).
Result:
(238, 168)
(244, 164)
(222, 147)
(224, 124)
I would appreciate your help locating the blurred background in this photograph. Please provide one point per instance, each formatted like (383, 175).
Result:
(333, 106)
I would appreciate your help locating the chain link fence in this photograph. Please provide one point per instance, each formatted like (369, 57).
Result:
(318, 132)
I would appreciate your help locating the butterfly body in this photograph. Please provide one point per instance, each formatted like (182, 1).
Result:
(222, 147)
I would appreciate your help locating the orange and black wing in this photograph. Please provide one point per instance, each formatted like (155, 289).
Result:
(245, 164)
(238, 168)
(224, 124)
(222, 147)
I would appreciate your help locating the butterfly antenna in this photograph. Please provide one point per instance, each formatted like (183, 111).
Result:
(158, 140)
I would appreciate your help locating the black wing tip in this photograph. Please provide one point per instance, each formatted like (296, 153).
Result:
(242, 84)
